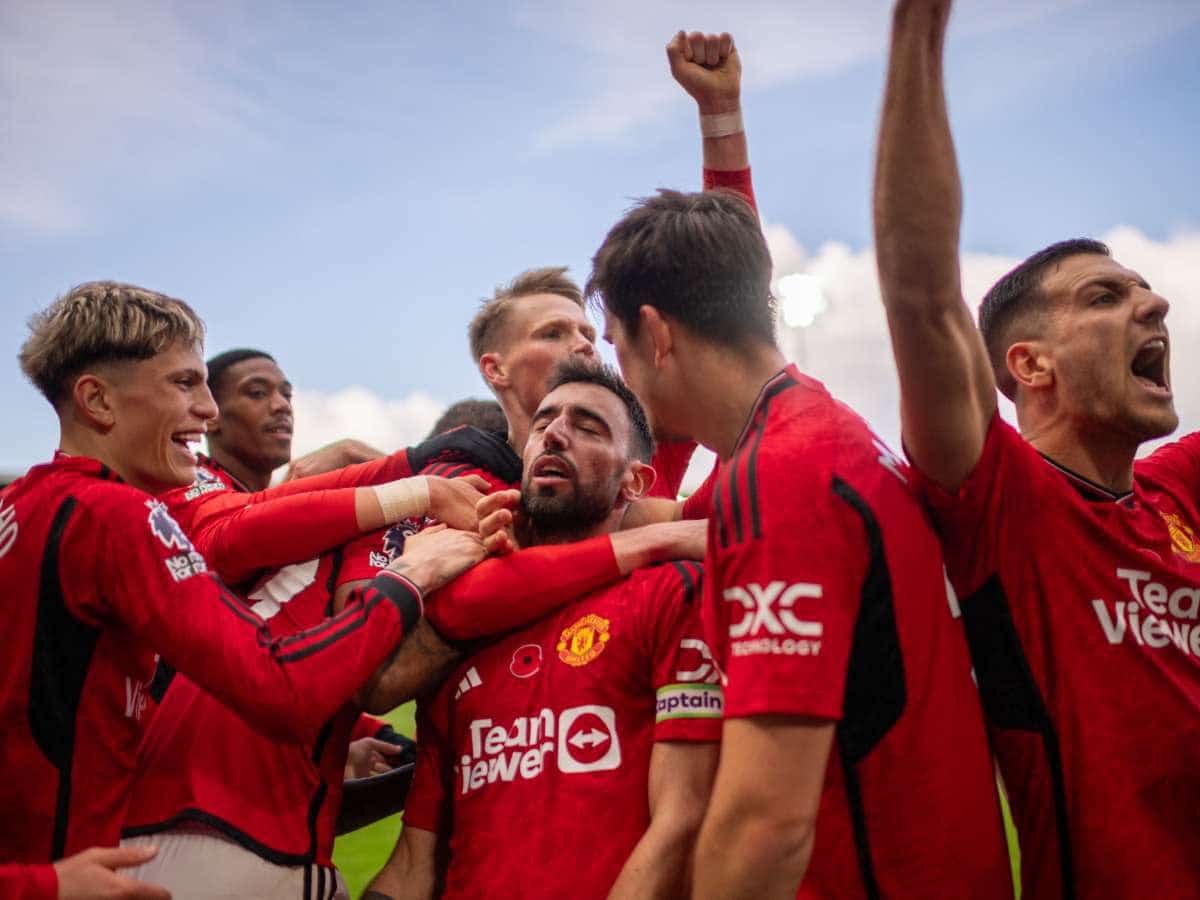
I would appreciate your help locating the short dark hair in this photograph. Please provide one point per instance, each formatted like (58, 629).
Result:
(486, 415)
(219, 365)
(1018, 297)
(699, 258)
(578, 371)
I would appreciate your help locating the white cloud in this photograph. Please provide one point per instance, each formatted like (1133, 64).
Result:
(848, 348)
(356, 412)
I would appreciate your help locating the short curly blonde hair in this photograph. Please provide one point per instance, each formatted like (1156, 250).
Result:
(102, 322)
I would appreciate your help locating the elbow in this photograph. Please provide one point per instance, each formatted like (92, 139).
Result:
(782, 846)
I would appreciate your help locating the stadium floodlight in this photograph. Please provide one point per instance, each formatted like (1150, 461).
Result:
(803, 299)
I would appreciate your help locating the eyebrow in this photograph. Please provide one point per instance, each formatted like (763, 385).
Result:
(559, 321)
(1112, 283)
(255, 380)
(574, 410)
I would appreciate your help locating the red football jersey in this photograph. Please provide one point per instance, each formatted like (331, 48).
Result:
(1083, 613)
(825, 596)
(538, 746)
(244, 534)
(201, 762)
(97, 577)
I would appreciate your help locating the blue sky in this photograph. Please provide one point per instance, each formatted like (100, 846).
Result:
(340, 184)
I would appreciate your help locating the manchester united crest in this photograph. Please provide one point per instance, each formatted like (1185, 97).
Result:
(583, 641)
(1183, 538)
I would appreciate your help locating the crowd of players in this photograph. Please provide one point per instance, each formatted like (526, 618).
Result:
(802, 680)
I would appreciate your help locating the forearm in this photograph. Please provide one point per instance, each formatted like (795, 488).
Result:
(658, 866)
(409, 873)
(419, 665)
(740, 856)
(655, 543)
(507, 592)
(918, 195)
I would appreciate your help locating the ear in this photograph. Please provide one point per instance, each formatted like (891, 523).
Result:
(93, 400)
(493, 370)
(1029, 365)
(658, 332)
(637, 481)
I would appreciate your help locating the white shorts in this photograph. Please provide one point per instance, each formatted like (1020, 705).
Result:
(198, 864)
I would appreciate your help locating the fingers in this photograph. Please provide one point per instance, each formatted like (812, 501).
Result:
(119, 857)
(709, 50)
(386, 748)
(499, 544)
(726, 45)
(509, 499)
(476, 481)
(497, 521)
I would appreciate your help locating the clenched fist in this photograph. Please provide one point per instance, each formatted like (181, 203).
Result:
(707, 66)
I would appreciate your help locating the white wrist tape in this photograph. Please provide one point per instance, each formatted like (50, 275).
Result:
(404, 499)
(721, 125)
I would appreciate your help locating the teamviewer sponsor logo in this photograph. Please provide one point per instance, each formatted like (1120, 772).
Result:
(576, 740)
(1158, 615)
(688, 701)
(768, 624)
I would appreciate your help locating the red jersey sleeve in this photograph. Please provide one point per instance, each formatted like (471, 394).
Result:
(737, 180)
(366, 726)
(1001, 488)
(670, 464)
(687, 690)
(426, 801)
(1176, 464)
(18, 882)
(154, 582)
(784, 608)
(508, 592)
(363, 557)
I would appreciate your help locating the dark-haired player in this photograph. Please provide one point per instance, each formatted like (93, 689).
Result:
(853, 761)
(599, 721)
(99, 576)
(1077, 568)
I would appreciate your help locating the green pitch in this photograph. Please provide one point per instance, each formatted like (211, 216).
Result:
(362, 853)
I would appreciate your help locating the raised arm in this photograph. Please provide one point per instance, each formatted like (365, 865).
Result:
(947, 390)
(708, 67)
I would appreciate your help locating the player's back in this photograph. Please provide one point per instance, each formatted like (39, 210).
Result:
(833, 604)
(72, 681)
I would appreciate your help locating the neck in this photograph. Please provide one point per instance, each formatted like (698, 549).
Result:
(730, 383)
(84, 442)
(254, 479)
(609, 524)
(1098, 455)
(518, 424)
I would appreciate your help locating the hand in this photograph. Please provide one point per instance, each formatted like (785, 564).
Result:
(708, 67)
(341, 453)
(498, 519)
(437, 555)
(369, 756)
(453, 500)
(92, 875)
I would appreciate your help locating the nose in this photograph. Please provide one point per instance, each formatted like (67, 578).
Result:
(1151, 307)
(280, 402)
(205, 406)
(555, 434)
(583, 345)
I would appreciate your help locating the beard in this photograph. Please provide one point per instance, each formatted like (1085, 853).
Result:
(561, 515)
